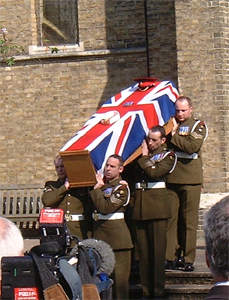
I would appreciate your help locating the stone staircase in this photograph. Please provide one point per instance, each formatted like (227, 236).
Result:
(183, 285)
(194, 285)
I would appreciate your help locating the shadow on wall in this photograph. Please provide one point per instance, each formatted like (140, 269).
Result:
(148, 27)
(162, 39)
(125, 30)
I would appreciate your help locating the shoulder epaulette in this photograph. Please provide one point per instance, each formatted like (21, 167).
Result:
(171, 153)
(202, 123)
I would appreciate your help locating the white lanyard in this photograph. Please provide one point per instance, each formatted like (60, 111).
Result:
(222, 283)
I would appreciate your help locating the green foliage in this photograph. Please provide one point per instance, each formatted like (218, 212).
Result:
(10, 61)
(8, 49)
(54, 49)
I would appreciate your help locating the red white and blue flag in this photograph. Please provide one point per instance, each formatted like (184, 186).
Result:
(123, 121)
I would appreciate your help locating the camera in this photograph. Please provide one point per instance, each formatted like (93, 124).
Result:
(57, 265)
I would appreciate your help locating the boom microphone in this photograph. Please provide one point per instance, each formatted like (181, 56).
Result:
(105, 252)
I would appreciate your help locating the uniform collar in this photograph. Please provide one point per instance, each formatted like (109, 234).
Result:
(187, 121)
(114, 181)
(61, 181)
(161, 149)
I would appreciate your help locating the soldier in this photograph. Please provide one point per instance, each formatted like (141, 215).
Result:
(74, 201)
(110, 197)
(152, 210)
(184, 186)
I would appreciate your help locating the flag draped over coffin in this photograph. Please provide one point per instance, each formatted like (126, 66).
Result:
(123, 121)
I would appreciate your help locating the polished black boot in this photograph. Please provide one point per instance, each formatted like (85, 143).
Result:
(180, 263)
(170, 265)
(188, 267)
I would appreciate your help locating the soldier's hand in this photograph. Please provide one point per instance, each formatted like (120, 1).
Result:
(145, 150)
(175, 126)
(100, 182)
(67, 184)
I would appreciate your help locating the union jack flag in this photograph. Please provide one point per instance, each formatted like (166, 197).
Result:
(123, 121)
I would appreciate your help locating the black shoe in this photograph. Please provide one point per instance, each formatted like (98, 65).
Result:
(188, 267)
(180, 263)
(170, 265)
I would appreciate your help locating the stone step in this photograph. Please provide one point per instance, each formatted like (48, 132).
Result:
(176, 291)
(179, 277)
(187, 291)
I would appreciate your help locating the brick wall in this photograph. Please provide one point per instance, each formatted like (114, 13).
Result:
(46, 99)
(16, 17)
(202, 31)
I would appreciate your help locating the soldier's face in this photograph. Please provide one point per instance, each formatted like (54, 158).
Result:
(60, 171)
(112, 169)
(154, 140)
(183, 110)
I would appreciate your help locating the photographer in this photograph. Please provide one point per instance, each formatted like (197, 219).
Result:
(74, 201)
(53, 269)
(11, 240)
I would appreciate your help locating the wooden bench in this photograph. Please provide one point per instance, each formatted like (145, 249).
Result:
(21, 204)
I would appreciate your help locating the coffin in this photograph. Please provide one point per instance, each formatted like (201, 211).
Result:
(118, 127)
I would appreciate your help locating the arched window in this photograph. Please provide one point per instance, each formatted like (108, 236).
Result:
(57, 22)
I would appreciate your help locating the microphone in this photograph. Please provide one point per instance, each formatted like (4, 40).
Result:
(105, 253)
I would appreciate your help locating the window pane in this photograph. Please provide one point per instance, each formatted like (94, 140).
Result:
(59, 22)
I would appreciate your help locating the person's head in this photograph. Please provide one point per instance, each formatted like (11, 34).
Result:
(183, 106)
(156, 137)
(11, 240)
(60, 170)
(216, 229)
(113, 167)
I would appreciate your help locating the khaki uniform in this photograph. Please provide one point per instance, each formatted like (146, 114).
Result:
(75, 204)
(184, 186)
(151, 212)
(110, 202)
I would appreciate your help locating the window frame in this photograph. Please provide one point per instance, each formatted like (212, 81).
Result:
(35, 48)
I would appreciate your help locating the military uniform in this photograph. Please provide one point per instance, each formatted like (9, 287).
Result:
(75, 204)
(184, 186)
(151, 212)
(109, 225)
